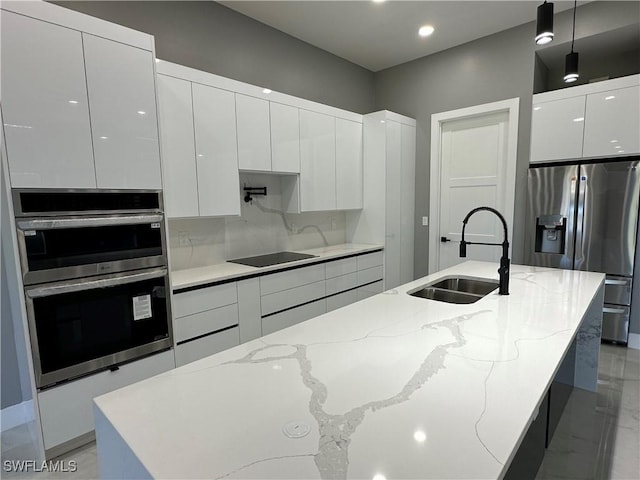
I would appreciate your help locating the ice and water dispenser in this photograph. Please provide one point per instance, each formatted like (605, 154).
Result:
(551, 234)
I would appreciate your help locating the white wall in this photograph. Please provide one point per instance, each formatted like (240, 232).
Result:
(207, 241)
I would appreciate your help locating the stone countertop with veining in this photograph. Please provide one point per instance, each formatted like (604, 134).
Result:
(390, 387)
(192, 277)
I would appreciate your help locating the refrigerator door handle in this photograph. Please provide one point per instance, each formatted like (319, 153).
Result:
(616, 282)
(579, 183)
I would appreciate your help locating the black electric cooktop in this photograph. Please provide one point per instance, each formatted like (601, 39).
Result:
(271, 259)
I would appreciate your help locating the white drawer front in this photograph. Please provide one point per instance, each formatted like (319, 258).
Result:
(370, 290)
(369, 260)
(292, 317)
(369, 275)
(198, 324)
(341, 267)
(66, 411)
(206, 346)
(289, 298)
(277, 282)
(342, 300)
(340, 284)
(196, 301)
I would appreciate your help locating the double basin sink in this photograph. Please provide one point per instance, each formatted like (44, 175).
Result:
(455, 290)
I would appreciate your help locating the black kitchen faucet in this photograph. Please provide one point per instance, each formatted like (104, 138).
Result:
(503, 271)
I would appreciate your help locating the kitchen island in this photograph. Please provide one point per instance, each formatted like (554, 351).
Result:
(393, 386)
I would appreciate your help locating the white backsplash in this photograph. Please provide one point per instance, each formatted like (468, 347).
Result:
(196, 242)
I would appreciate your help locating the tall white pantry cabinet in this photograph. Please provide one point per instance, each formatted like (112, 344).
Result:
(389, 193)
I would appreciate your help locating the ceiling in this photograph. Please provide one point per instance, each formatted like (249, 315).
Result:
(381, 35)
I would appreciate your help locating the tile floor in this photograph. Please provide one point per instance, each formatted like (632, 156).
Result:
(598, 436)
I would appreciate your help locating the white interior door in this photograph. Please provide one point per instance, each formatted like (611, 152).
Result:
(476, 167)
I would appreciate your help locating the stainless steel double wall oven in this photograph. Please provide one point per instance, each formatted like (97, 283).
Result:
(94, 267)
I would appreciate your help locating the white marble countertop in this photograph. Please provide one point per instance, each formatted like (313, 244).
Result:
(390, 387)
(227, 271)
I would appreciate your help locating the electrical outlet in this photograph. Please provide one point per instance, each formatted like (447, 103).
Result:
(183, 239)
(425, 221)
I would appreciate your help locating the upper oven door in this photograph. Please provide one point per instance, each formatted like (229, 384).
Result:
(60, 248)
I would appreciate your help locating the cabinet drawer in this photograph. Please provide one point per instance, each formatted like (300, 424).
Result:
(294, 296)
(342, 300)
(369, 275)
(291, 317)
(201, 323)
(341, 267)
(369, 260)
(277, 282)
(340, 284)
(203, 299)
(370, 290)
(205, 346)
(66, 412)
(617, 290)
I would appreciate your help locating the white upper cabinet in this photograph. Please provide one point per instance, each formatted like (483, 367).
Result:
(178, 148)
(44, 105)
(317, 161)
(124, 123)
(254, 142)
(557, 129)
(285, 138)
(612, 123)
(348, 164)
(216, 151)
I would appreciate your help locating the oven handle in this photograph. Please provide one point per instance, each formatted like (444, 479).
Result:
(79, 222)
(79, 285)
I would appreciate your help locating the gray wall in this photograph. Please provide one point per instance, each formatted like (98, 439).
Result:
(216, 39)
(493, 68)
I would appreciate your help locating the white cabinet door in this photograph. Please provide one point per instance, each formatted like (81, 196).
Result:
(407, 200)
(317, 161)
(285, 138)
(348, 164)
(612, 124)
(393, 231)
(44, 105)
(557, 129)
(216, 151)
(178, 149)
(254, 138)
(124, 122)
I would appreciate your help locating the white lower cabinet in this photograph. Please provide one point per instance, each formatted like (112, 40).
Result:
(291, 317)
(203, 347)
(206, 321)
(66, 411)
(370, 290)
(343, 299)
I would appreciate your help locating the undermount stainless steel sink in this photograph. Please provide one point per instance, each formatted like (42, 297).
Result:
(456, 290)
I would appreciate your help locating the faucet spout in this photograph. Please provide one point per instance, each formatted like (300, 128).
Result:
(503, 271)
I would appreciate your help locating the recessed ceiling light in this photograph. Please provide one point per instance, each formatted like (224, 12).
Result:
(266, 90)
(73, 102)
(157, 60)
(613, 141)
(141, 112)
(426, 30)
(537, 108)
(419, 436)
(610, 97)
(618, 146)
(579, 119)
(379, 1)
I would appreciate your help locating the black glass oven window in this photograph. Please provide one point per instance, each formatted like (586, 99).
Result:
(80, 246)
(64, 202)
(73, 328)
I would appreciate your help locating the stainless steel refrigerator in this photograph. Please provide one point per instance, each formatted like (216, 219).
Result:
(584, 217)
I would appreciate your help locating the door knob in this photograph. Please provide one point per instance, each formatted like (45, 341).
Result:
(444, 239)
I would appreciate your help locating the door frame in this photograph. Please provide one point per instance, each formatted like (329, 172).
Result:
(512, 107)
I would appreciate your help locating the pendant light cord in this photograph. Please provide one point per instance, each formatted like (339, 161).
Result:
(573, 34)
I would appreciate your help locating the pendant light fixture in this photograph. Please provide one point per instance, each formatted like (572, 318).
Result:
(544, 25)
(571, 60)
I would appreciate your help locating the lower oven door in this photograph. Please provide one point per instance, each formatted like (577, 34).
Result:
(84, 325)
